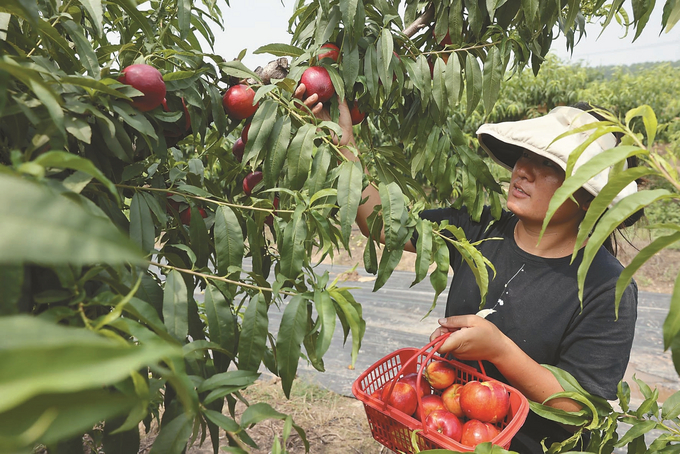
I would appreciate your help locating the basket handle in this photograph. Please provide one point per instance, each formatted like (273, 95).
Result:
(438, 341)
(434, 346)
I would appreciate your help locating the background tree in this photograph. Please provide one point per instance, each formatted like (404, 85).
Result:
(138, 259)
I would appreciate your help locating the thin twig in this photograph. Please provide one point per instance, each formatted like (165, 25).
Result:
(219, 278)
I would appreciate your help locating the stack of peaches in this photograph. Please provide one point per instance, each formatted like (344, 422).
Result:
(467, 413)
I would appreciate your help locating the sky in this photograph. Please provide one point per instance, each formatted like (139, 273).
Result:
(254, 23)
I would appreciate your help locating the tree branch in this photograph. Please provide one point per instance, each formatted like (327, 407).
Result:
(421, 22)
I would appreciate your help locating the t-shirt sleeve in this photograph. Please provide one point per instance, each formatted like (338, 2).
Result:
(596, 349)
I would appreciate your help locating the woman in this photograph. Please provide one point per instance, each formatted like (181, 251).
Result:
(537, 318)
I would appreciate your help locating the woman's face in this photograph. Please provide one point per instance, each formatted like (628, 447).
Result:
(534, 181)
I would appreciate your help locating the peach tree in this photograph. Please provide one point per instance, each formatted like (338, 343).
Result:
(137, 268)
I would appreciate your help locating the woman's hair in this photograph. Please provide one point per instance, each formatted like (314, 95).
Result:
(611, 243)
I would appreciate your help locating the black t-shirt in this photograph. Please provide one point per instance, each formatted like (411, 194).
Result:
(537, 306)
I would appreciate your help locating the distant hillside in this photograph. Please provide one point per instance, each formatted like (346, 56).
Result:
(608, 71)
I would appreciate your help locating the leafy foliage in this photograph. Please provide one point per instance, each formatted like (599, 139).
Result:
(138, 274)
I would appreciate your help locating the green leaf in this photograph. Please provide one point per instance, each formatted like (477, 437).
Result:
(176, 306)
(280, 50)
(239, 378)
(370, 257)
(148, 315)
(370, 70)
(671, 15)
(142, 229)
(58, 416)
(254, 331)
(585, 172)
(184, 18)
(353, 315)
(493, 75)
(276, 151)
(189, 189)
(638, 429)
(42, 91)
(222, 324)
(394, 215)
(439, 87)
(671, 326)
(423, 250)
(137, 19)
(530, 9)
(289, 341)
(11, 283)
(50, 34)
(439, 278)
(21, 8)
(39, 357)
(292, 245)
(300, 154)
(648, 119)
(259, 412)
(78, 128)
(261, 127)
(173, 437)
(198, 233)
(229, 243)
(84, 47)
(575, 419)
(87, 82)
(65, 160)
(388, 262)
(605, 198)
(222, 421)
(134, 118)
(351, 62)
(319, 171)
(237, 69)
(349, 195)
(570, 384)
(40, 226)
(95, 11)
(385, 49)
(453, 80)
(217, 110)
(473, 83)
(158, 212)
(326, 312)
(474, 259)
(420, 75)
(610, 221)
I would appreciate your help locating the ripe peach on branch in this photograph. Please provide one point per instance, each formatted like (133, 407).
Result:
(149, 81)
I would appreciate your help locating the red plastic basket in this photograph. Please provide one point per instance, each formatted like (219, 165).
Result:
(394, 429)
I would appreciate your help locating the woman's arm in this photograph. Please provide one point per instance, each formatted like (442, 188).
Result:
(370, 195)
(474, 338)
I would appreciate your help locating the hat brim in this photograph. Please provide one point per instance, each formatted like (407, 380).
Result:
(504, 153)
(505, 142)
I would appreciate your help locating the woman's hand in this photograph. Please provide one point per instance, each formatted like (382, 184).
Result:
(320, 112)
(472, 338)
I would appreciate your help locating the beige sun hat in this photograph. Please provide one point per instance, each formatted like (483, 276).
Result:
(504, 142)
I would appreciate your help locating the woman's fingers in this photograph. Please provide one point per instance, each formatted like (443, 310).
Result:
(300, 91)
